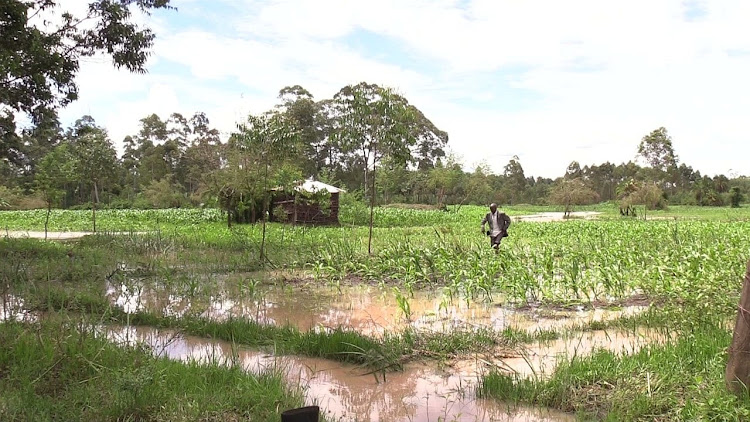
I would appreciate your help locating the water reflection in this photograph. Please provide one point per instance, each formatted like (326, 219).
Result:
(12, 309)
(367, 309)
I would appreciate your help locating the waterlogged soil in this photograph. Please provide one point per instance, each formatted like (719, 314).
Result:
(368, 309)
(420, 392)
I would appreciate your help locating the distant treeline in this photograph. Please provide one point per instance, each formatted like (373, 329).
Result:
(181, 162)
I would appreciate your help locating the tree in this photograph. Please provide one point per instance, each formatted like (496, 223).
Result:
(55, 170)
(203, 155)
(164, 193)
(445, 180)
(374, 123)
(303, 113)
(94, 157)
(570, 192)
(40, 48)
(573, 171)
(262, 141)
(735, 197)
(656, 148)
(515, 180)
(647, 194)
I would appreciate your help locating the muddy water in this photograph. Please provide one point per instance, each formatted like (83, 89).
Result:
(420, 393)
(367, 309)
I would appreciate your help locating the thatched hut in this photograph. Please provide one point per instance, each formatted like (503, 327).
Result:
(312, 202)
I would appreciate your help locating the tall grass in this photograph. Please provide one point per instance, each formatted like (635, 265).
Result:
(680, 380)
(61, 371)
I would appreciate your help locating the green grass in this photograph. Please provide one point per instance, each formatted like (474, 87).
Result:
(376, 353)
(680, 380)
(62, 371)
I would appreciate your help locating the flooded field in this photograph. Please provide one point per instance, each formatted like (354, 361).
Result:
(365, 308)
(421, 392)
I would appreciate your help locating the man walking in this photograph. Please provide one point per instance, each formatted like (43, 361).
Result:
(499, 223)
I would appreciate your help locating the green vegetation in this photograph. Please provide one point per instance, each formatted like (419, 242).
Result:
(56, 369)
(688, 265)
(680, 380)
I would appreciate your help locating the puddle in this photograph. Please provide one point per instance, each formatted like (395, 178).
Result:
(12, 309)
(546, 217)
(420, 393)
(367, 309)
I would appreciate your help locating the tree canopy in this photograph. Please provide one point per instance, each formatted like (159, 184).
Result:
(41, 45)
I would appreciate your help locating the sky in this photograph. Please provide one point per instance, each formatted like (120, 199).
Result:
(548, 81)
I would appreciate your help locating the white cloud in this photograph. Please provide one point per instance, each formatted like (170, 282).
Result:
(590, 77)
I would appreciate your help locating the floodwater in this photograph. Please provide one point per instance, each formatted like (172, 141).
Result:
(420, 392)
(423, 391)
(365, 308)
(546, 217)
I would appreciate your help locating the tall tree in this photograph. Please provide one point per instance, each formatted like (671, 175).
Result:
(573, 171)
(303, 114)
(262, 141)
(203, 155)
(515, 180)
(656, 148)
(374, 123)
(95, 158)
(54, 171)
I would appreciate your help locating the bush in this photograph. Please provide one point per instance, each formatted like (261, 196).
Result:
(15, 199)
(735, 197)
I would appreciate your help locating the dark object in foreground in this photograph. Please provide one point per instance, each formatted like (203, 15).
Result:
(302, 414)
(738, 366)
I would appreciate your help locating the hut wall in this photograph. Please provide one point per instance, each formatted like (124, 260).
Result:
(308, 213)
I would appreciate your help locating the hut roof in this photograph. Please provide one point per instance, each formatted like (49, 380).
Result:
(313, 186)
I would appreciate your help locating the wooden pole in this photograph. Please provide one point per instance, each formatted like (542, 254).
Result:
(738, 365)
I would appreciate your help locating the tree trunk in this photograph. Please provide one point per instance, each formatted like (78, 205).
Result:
(265, 210)
(372, 208)
(46, 219)
(737, 374)
(93, 206)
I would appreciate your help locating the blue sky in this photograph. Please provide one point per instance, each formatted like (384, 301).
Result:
(549, 81)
